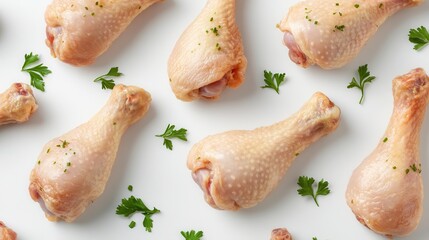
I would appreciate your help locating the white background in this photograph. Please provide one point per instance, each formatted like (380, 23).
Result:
(160, 176)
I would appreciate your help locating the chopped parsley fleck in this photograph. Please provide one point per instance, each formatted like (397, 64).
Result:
(132, 224)
(218, 46)
(64, 143)
(68, 164)
(49, 149)
(340, 27)
(356, 5)
(385, 139)
(215, 31)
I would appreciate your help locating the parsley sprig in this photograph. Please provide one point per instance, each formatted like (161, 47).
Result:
(133, 205)
(106, 82)
(306, 189)
(37, 72)
(170, 133)
(273, 81)
(419, 36)
(364, 78)
(192, 235)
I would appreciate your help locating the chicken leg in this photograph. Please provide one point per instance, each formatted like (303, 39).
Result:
(17, 104)
(238, 169)
(209, 55)
(330, 33)
(72, 170)
(6, 233)
(385, 192)
(80, 31)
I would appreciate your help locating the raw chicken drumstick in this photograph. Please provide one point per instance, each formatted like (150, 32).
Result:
(80, 31)
(72, 170)
(238, 169)
(280, 234)
(6, 233)
(330, 33)
(17, 104)
(385, 192)
(209, 55)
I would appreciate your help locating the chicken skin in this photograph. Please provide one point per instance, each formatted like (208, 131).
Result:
(385, 191)
(238, 169)
(330, 33)
(280, 234)
(209, 55)
(72, 170)
(80, 31)
(17, 104)
(6, 233)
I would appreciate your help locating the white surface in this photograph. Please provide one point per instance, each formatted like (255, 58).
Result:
(160, 176)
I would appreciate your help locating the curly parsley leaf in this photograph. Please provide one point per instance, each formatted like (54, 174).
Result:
(364, 78)
(133, 205)
(419, 36)
(306, 189)
(273, 81)
(192, 235)
(106, 81)
(37, 72)
(170, 133)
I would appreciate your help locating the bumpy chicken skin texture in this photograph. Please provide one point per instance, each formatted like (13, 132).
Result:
(238, 169)
(330, 33)
(6, 233)
(17, 104)
(80, 31)
(280, 234)
(209, 55)
(385, 191)
(72, 170)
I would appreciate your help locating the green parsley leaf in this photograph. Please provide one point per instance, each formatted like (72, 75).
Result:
(306, 189)
(192, 235)
(148, 223)
(108, 83)
(37, 72)
(314, 238)
(171, 133)
(132, 205)
(419, 36)
(130, 188)
(273, 81)
(364, 78)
